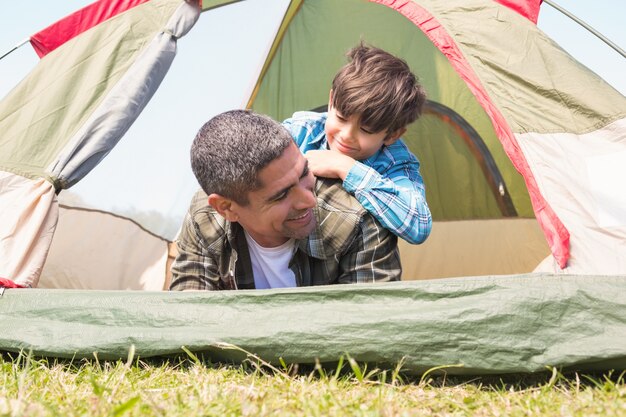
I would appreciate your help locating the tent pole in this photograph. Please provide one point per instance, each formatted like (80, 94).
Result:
(586, 26)
(15, 47)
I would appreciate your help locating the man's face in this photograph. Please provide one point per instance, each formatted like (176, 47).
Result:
(282, 208)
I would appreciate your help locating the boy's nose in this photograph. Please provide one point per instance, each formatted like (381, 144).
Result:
(347, 132)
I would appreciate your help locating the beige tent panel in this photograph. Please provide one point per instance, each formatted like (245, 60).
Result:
(586, 190)
(477, 247)
(97, 250)
(455, 248)
(28, 209)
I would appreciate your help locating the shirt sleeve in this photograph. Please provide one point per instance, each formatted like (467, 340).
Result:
(373, 255)
(397, 199)
(297, 130)
(193, 268)
(306, 129)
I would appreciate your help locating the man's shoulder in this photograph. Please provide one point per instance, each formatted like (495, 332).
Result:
(339, 218)
(332, 197)
(343, 224)
(210, 226)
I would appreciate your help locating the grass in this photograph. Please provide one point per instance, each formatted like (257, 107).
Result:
(192, 387)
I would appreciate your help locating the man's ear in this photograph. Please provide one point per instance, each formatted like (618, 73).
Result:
(224, 206)
(394, 136)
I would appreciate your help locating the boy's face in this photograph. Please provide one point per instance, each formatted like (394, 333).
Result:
(346, 135)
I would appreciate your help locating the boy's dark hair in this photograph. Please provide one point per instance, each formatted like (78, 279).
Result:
(380, 88)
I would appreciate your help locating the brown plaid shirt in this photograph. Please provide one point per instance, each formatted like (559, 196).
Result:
(347, 246)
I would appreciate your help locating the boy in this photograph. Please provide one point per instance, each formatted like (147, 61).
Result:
(372, 100)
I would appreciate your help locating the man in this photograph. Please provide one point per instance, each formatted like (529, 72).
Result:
(268, 222)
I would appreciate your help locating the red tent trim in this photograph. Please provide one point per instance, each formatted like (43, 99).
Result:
(554, 230)
(527, 8)
(7, 283)
(78, 22)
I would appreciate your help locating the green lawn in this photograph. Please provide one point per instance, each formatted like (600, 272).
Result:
(190, 387)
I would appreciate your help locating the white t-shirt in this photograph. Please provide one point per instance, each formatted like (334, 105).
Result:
(271, 265)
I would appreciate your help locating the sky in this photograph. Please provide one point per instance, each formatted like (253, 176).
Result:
(222, 75)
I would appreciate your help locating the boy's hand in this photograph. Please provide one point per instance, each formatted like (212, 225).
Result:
(329, 164)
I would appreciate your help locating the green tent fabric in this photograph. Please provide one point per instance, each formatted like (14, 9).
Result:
(482, 325)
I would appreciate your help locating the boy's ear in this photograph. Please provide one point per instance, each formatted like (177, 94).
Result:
(224, 206)
(394, 136)
(330, 99)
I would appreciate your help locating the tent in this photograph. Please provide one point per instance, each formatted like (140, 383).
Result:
(521, 149)
(480, 325)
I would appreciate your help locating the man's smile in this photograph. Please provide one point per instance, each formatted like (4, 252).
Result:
(304, 216)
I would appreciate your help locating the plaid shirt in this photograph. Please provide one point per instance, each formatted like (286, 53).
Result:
(347, 246)
(388, 184)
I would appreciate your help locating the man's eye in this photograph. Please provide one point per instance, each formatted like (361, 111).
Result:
(280, 197)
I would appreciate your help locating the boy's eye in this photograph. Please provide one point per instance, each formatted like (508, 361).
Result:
(340, 117)
(367, 130)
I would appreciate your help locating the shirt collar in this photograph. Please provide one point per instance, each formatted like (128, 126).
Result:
(372, 159)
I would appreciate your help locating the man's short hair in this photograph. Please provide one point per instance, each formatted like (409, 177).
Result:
(380, 88)
(232, 148)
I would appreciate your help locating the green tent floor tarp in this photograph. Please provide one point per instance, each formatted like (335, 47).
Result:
(484, 325)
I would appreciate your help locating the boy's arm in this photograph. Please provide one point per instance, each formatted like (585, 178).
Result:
(397, 200)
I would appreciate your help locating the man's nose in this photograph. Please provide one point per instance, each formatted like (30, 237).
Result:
(305, 199)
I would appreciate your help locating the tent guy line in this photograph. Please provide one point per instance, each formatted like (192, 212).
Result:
(588, 27)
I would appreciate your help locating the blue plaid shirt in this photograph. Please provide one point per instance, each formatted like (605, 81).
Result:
(388, 184)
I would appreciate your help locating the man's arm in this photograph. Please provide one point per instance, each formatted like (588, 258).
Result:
(372, 256)
(193, 268)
